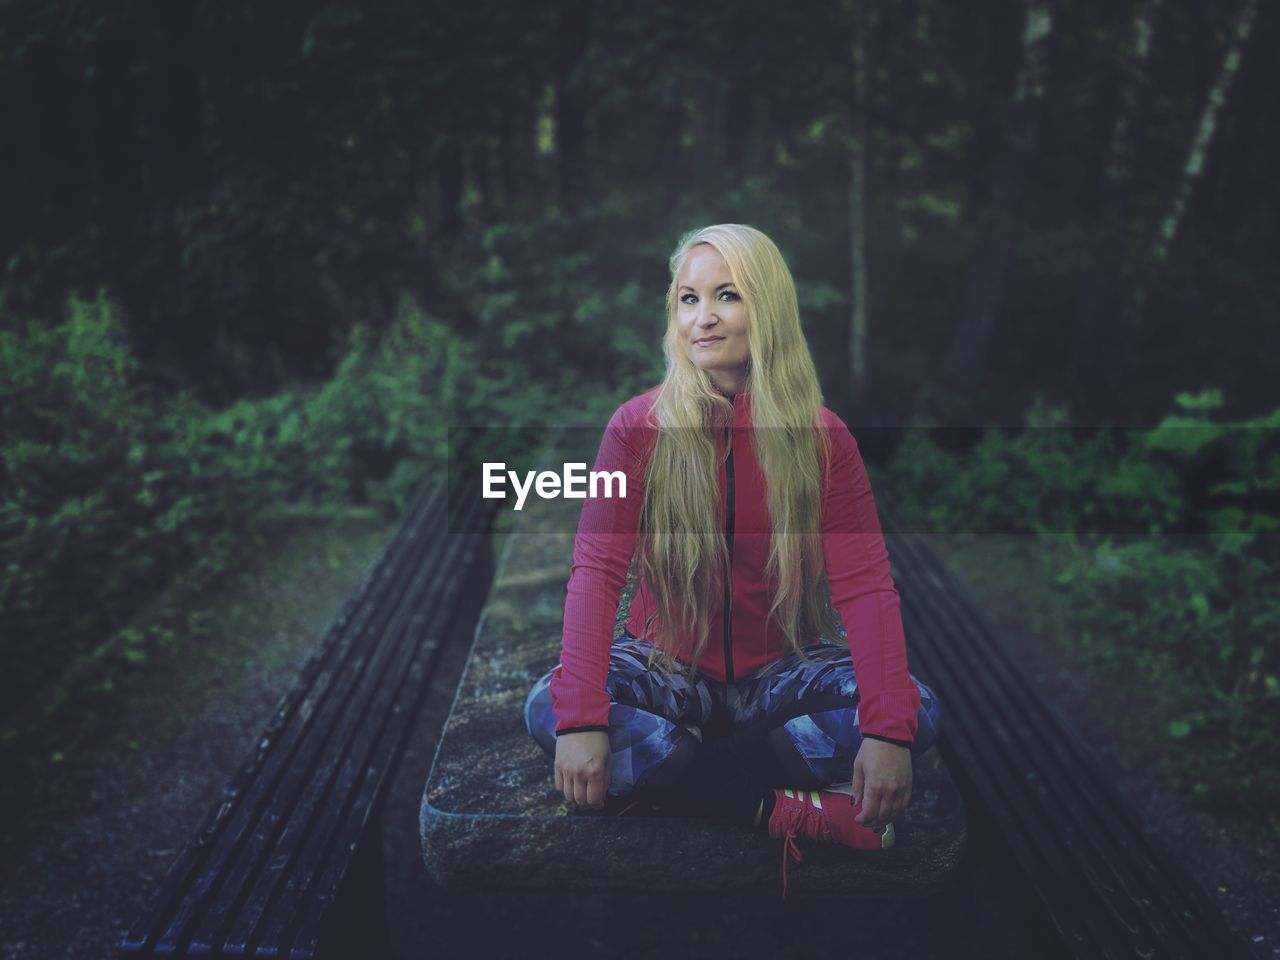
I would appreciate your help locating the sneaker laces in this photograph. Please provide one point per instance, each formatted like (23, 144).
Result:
(800, 818)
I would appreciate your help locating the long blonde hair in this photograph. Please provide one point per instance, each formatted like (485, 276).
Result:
(681, 551)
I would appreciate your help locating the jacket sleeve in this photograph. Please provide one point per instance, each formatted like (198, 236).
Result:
(864, 594)
(602, 552)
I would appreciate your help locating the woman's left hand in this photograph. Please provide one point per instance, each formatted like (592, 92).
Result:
(882, 780)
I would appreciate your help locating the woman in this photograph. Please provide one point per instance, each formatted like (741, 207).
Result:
(749, 516)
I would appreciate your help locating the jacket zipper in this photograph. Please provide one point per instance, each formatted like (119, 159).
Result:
(728, 578)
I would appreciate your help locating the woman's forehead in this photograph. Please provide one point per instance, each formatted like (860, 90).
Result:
(704, 263)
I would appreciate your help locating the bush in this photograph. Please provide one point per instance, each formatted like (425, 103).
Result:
(98, 502)
(109, 493)
(1195, 617)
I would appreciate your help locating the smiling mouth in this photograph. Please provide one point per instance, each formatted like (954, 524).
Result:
(706, 340)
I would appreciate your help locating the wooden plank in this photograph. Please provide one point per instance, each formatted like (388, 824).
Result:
(314, 904)
(1118, 894)
(1126, 870)
(172, 901)
(313, 845)
(332, 721)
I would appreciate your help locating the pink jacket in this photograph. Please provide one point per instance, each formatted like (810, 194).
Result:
(857, 565)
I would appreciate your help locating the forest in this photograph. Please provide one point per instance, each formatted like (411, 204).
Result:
(260, 258)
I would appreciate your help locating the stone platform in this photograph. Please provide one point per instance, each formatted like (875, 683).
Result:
(491, 816)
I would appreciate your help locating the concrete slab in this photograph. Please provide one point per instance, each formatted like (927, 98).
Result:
(491, 817)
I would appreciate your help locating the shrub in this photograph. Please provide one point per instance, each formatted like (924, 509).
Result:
(1194, 617)
(109, 493)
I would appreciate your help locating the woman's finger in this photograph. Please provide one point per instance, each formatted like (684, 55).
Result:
(595, 791)
(871, 803)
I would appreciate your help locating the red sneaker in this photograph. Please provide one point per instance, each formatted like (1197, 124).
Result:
(825, 816)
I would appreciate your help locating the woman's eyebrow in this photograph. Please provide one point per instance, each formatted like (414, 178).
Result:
(730, 283)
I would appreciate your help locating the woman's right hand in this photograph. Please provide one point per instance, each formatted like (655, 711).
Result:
(584, 767)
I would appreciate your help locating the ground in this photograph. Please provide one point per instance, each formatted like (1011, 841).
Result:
(1237, 861)
(141, 765)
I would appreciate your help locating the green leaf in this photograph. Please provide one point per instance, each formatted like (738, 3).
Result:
(1200, 604)
(1205, 400)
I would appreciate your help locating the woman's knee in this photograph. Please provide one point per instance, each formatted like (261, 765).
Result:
(646, 746)
(539, 717)
(826, 743)
(795, 766)
(632, 680)
(928, 720)
(683, 700)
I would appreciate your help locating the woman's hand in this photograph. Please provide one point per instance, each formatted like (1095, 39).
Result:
(882, 780)
(584, 767)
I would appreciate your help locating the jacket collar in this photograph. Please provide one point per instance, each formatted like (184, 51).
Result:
(742, 408)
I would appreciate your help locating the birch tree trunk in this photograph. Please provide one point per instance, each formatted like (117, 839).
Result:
(1193, 167)
(1122, 360)
(861, 22)
(970, 344)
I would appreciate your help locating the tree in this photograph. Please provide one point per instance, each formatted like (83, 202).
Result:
(967, 355)
(862, 20)
(1121, 360)
(1098, 287)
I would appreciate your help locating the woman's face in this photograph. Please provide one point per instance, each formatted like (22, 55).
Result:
(711, 318)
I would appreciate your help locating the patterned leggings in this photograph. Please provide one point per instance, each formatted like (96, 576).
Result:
(807, 712)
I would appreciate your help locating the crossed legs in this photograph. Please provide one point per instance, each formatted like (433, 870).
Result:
(793, 723)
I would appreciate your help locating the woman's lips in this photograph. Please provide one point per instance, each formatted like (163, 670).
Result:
(707, 341)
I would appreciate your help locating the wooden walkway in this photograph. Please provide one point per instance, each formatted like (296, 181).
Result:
(1106, 881)
(290, 862)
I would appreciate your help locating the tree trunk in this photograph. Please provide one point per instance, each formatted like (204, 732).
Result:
(1099, 286)
(861, 22)
(449, 176)
(1123, 359)
(1193, 167)
(574, 35)
(738, 114)
(966, 358)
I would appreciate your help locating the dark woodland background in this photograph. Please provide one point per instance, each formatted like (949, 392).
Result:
(259, 257)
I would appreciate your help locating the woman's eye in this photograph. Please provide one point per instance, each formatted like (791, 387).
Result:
(693, 297)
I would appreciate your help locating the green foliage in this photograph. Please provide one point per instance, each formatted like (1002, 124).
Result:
(1168, 566)
(109, 493)
(367, 435)
(556, 322)
(102, 496)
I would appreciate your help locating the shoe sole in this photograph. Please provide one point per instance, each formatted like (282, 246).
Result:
(887, 838)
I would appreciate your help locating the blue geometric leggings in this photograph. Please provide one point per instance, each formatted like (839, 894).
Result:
(808, 710)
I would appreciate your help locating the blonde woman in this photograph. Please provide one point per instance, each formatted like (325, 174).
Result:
(750, 519)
